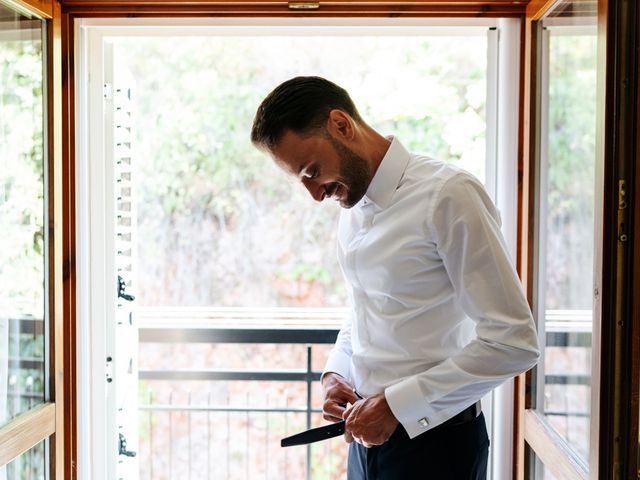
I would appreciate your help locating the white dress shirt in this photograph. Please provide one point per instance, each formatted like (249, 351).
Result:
(426, 262)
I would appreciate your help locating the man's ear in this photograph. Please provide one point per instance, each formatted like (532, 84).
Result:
(340, 124)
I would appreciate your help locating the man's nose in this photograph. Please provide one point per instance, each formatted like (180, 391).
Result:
(315, 190)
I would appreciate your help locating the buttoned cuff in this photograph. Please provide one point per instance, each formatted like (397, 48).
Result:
(410, 408)
(338, 362)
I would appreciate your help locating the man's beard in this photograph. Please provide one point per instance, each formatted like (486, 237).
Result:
(355, 173)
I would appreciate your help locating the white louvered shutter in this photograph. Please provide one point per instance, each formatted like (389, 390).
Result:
(122, 335)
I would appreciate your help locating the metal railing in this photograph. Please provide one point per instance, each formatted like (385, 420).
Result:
(291, 326)
(568, 328)
(304, 327)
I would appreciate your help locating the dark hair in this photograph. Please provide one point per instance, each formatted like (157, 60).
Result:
(301, 104)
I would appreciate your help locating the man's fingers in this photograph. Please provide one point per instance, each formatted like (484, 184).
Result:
(339, 389)
(348, 437)
(338, 393)
(342, 396)
(333, 409)
(370, 421)
(331, 418)
(351, 396)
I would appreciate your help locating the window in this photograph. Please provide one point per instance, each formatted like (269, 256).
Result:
(22, 206)
(26, 417)
(565, 235)
(30, 465)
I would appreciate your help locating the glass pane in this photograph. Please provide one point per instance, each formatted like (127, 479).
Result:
(22, 207)
(568, 124)
(31, 465)
(541, 471)
(222, 229)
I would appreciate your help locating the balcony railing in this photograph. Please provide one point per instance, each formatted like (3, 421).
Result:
(302, 327)
(177, 402)
(286, 327)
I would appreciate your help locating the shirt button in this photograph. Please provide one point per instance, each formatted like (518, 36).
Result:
(423, 422)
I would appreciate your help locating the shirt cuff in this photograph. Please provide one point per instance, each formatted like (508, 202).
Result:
(338, 362)
(410, 408)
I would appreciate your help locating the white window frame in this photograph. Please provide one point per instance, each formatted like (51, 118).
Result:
(93, 177)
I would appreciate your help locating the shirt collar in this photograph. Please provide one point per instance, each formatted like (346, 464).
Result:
(387, 178)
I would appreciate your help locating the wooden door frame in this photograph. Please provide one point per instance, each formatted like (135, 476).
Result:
(66, 12)
(620, 328)
(616, 334)
(78, 9)
(284, 8)
(620, 105)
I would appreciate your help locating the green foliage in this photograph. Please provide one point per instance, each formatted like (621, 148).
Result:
(21, 178)
(220, 224)
(306, 272)
(571, 157)
(22, 219)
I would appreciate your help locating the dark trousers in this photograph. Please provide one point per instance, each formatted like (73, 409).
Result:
(457, 452)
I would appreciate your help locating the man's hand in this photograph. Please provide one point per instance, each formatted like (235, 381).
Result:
(370, 420)
(337, 392)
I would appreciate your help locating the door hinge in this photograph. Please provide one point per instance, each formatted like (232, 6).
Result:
(109, 369)
(622, 195)
(622, 205)
(107, 91)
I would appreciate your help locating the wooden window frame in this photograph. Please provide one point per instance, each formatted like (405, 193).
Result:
(46, 421)
(534, 431)
(280, 8)
(42, 9)
(616, 318)
(60, 16)
(27, 430)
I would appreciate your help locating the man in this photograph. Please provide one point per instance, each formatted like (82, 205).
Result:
(420, 246)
